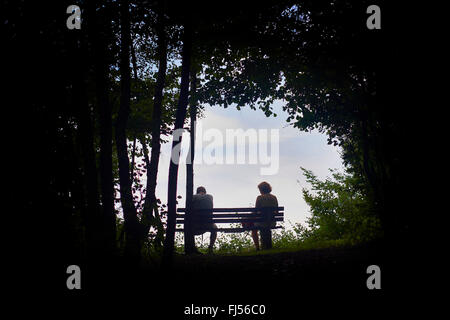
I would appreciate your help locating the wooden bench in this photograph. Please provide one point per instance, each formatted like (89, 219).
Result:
(239, 215)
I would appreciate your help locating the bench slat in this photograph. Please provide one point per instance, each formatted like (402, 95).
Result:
(234, 209)
(215, 220)
(233, 230)
(236, 215)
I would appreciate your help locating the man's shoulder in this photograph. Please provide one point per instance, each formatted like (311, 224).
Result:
(202, 196)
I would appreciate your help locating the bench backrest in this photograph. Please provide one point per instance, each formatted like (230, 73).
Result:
(234, 215)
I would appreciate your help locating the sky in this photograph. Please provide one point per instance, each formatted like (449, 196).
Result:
(235, 185)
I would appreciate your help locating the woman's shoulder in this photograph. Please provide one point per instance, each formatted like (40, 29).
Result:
(266, 200)
(268, 196)
(271, 200)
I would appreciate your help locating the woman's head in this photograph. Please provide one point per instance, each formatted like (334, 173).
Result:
(264, 187)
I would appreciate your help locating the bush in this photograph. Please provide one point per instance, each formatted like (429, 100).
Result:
(340, 209)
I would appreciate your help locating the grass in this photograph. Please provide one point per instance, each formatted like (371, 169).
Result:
(293, 240)
(241, 244)
(306, 245)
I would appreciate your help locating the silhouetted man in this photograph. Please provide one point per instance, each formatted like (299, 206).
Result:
(202, 205)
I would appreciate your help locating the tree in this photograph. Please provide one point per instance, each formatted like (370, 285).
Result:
(132, 226)
(98, 30)
(150, 205)
(91, 213)
(340, 208)
(322, 62)
(189, 238)
(173, 167)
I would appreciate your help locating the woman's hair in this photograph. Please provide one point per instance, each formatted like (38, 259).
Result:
(264, 187)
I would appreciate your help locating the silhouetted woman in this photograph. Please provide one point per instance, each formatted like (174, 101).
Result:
(266, 199)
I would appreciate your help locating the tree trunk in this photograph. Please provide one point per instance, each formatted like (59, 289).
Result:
(173, 168)
(85, 137)
(133, 157)
(97, 36)
(189, 239)
(133, 59)
(131, 222)
(133, 154)
(150, 204)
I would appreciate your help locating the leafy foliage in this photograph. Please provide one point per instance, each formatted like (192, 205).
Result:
(293, 239)
(340, 208)
(312, 56)
(317, 57)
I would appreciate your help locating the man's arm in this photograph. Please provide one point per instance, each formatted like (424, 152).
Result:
(194, 202)
(211, 200)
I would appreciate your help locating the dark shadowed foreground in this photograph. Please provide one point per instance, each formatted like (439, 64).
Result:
(331, 280)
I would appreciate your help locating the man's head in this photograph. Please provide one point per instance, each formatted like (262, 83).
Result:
(264, 187)
(201, 190)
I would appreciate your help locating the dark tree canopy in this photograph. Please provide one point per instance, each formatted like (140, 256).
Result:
(94, 105)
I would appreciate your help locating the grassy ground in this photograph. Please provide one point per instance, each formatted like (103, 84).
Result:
(241, 244)
(279, 263)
